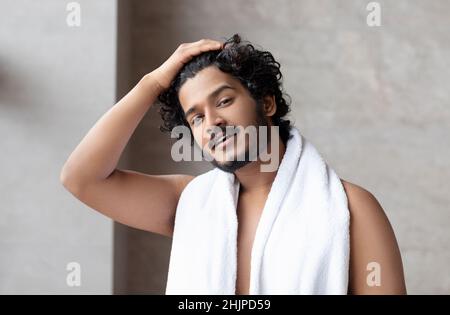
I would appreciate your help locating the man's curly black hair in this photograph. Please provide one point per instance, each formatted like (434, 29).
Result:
(257, 70)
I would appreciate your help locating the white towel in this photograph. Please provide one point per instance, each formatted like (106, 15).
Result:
(301, 245)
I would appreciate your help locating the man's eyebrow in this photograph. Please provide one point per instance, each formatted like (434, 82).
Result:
(210, 96)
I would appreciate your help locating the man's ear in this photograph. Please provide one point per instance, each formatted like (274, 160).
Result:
(270, 106)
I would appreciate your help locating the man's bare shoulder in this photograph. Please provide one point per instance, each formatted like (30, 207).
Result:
(183, 180)
(372, 241)
(357, 194)
(365, 210)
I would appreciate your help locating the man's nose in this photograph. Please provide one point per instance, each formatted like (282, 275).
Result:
(214, 123)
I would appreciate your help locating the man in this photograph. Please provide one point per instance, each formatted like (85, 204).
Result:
(208, 86)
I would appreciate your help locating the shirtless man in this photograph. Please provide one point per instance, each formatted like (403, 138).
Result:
(148, 202)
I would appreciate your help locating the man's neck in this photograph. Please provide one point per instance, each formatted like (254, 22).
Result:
(253, 180)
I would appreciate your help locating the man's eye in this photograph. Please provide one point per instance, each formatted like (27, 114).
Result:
(196, 120)
(225, 101)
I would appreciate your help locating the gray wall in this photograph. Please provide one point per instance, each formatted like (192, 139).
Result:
(55, 82)
(374, 101)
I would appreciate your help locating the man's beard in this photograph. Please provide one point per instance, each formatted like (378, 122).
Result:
(235, 164)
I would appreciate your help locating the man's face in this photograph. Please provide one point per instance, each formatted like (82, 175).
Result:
(231, 105)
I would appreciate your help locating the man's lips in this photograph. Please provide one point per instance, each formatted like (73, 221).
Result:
(220, 138)
(223, 140)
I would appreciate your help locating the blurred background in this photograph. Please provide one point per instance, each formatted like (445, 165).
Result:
(374, 100)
